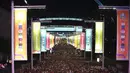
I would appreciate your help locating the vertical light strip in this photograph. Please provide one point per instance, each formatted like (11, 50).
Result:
(88, 40)
(75, 41)
(82, 41)
(48, 41)
(36, 37)
(99, 37)
(43, 40)
(78, 41)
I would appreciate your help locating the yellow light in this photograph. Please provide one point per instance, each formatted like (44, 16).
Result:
(21, 14)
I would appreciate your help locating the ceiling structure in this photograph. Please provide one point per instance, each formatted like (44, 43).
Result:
(58, 4)
(70, 8)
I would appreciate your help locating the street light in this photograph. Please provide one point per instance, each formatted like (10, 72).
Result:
(113, 7)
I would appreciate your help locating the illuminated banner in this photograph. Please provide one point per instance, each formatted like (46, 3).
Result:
(48, 41)
(43, 40)
(82, 41)
(20, 34)
(51, 41)
(56, 40)
(99, 37)
(78, 42)
(70, 40)
(88, 40)
(75, 41)
(122, 34)
(36, 37)
(78, 28)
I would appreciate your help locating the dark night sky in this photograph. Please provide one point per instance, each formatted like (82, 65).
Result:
(55, 5)
(87, 9)
(75, 8)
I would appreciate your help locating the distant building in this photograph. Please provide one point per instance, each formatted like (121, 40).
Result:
(5, 23)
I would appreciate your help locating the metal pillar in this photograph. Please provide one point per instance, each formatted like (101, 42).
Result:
(40, 57)
(12, 35)
(84, 54)
(91, 50)
(31, 46)
(129, 43)
(40, 49)
(103, 43)
(91, 55)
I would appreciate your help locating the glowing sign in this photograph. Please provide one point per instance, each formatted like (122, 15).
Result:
(99, 37)
(122, 34)
(20, 34)
(88, 40)
(43, 40)
(82, 41)
(36, 37)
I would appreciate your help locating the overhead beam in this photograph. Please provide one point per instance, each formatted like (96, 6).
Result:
(32, 6)
(93, 21)
(61, 18)
(114, 7)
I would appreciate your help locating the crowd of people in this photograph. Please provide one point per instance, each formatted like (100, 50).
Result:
(64, 59)
(64, 66)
